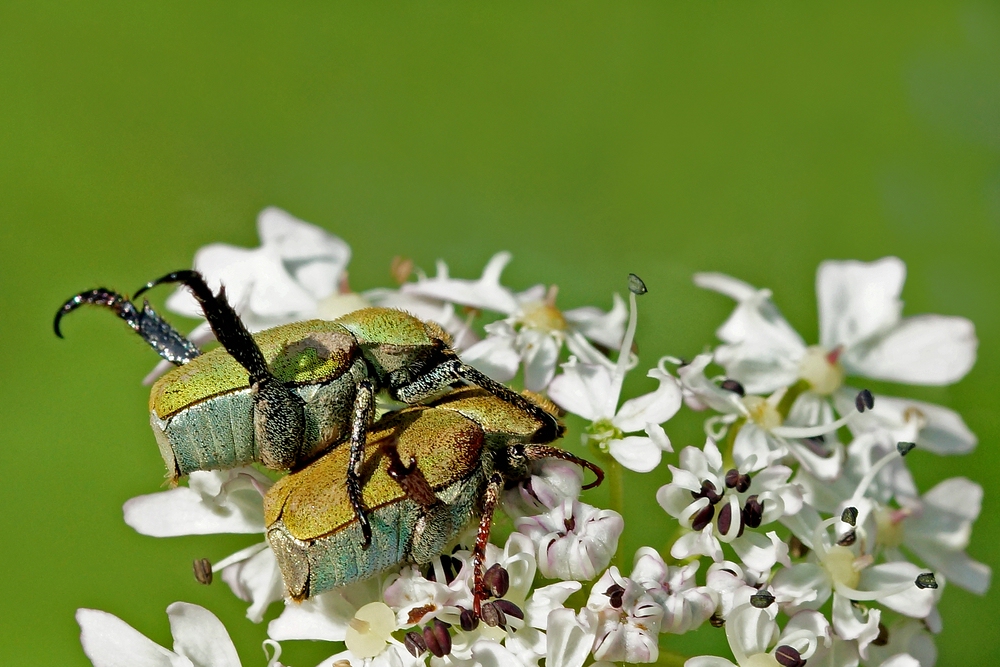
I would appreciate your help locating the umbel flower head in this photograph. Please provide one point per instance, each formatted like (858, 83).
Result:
(791, 448)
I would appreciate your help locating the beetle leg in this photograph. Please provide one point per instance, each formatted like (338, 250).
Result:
(167, 341)
(279, 413)
(490, 499)
(364, 410)
(444, 374)
(539, 452)
(410, 478)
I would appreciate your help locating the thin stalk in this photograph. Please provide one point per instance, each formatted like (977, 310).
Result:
(616, 490)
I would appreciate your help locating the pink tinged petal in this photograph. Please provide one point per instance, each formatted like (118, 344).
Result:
(759, 552)
(604, 328)
(653, 408)
(568, 638)
(111, 642)
(582, 389)
(858, 299)
(540, 354)
(200, 636)
(635, 452)
(926, 349)
(495, 356)
(574, 540)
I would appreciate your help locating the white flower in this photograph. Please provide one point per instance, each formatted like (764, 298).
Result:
(628, 620)
(200, 640)
(905, 637)
(685, 605)
(220, 501)
(593, 391)
(325, 616)
(721, 505)
(752, 632)
(552, 482)
(534, 330)
(862, 333)
(573, 540)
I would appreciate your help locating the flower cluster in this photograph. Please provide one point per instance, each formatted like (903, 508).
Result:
(799, 496)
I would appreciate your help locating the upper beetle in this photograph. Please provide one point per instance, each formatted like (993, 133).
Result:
(284, 396)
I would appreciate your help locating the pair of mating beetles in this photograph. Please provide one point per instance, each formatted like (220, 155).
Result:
(288, 397)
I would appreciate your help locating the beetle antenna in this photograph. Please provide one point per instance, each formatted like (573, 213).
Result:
(169, 343)
(538, 452)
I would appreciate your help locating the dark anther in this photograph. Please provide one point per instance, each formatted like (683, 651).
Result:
(926, 580)
(734, 480)
(864, 400)
(451, 566)
(883, 636)
(491, 615)
(726, 519)
(203, 571)
(703, 517)
(437, 638)
(717, 621)
(635, 285)
(509, 608)
(850, 516)
(497, 580)
(816, 445)
(905, 448)
(709, 491)
(733, 386)
(468, 620)
(430, 575)
(753, 512)
(615, 594)
(786, 656)
(849, 538)
(569, 524)
(762, 600)
(415, 644)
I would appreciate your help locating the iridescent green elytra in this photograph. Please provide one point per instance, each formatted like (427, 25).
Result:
(284, 396)
(428, 471)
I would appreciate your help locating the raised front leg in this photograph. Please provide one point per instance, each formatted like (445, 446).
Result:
(480, 591)
(165, 340)
(453, 370)
(364, 410)
(279, 413)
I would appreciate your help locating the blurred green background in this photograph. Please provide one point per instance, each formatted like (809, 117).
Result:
(589, 139)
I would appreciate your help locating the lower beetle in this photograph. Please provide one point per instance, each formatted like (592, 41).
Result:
(284, 396)
(460, 452)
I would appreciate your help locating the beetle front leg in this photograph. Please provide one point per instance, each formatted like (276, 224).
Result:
(165, 340)
(364, 410)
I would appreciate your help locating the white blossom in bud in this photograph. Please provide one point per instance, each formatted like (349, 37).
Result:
(730, 583)
(200, 640)
(552, 482)
(685, 604)
(573, 540)
(227, 501)
(627, 620)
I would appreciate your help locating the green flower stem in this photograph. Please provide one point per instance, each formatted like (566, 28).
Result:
(616, 490)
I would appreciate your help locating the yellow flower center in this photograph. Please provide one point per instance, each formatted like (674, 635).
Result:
(840, 563)
(823, 375)
(543, 315)
(889, 523)
(762, 413)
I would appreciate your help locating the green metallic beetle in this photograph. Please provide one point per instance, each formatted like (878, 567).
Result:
(461, 451)
(284, 396)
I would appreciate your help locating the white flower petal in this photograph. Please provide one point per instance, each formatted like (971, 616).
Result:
(635, 452)
(926, 349)
(583, 389)
(495, 356)
(759, 552)
(604, 328)
(941, 430)
(655, 407)
(858, 299)
(256, 580)
(568, 639)
(200, 636)
(486, 293)
(111, 642)
(314, 257)
(540, 352)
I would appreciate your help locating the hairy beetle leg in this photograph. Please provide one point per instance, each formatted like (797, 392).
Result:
(165, 340)
(410, 478)
(480, 591)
